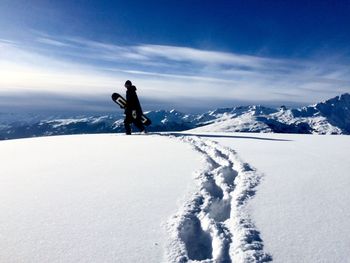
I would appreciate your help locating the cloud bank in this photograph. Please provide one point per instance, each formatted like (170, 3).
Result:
(77, 66)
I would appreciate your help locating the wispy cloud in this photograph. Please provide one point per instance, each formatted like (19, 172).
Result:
(77, 65)
(186, 54)
(53, 42)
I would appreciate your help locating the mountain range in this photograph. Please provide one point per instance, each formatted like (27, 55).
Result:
(329, 117)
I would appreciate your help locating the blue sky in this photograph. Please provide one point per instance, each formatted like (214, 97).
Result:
(179, 53)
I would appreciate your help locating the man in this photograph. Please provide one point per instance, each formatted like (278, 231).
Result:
(133, 109)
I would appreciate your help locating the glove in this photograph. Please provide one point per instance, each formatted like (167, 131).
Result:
(134, 114)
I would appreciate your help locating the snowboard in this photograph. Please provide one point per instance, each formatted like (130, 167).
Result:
(117, 98)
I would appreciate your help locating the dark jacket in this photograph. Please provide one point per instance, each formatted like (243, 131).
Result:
(132, 101)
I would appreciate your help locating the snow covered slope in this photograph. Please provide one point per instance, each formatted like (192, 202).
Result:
(301, 206)
(253, 198)
(92, 198)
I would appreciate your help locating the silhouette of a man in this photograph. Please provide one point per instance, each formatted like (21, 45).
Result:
(133, 110)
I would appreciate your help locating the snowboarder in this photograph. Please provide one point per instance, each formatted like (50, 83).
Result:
(133, 110)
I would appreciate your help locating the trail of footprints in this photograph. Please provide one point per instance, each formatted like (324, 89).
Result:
(213, 225)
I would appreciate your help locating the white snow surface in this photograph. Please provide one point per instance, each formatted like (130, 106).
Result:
(301, 207)
(226, 123)
(90, 198)
(252, 198)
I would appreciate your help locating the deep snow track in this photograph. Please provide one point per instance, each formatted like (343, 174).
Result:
(214, 225)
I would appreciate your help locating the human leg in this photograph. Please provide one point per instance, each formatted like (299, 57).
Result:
(127, 123)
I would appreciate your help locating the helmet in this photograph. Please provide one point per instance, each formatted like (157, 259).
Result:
(127, 83)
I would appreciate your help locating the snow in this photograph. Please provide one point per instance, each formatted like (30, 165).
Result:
(92, 198)
(328, 117)
(301, 207)
(213, 225)
(190, 196)
(245, 122)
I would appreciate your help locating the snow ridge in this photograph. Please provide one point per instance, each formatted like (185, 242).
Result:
(214, 225)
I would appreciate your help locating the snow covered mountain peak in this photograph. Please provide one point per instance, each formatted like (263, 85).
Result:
(341, 102)
(337, 111)
(328, 117)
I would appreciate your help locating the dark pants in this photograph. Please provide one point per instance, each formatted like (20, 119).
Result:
(137, 122)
